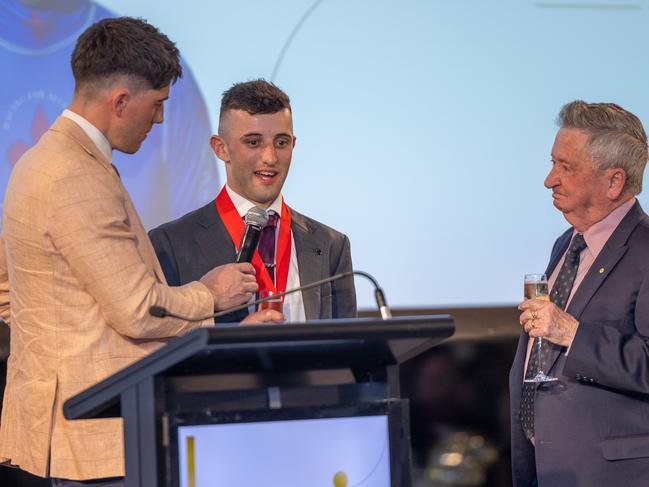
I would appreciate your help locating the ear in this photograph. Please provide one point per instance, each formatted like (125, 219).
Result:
(119, 101)
(616, 182)
(294, 141)
(220, 148)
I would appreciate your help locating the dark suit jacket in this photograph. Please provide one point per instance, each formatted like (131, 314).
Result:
(197, 242)
(592, 428)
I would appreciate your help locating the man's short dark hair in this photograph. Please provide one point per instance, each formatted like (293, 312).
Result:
(125, 46)
(255, 97)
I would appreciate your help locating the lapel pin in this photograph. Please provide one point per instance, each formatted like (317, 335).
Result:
(318, 251)
(601, 270)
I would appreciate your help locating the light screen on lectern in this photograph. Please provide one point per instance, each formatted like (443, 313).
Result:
(331, 452)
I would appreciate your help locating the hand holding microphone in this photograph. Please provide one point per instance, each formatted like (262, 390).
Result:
(231, 284)
(234, 284)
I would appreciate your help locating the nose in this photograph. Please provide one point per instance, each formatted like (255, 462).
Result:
(551, 180)
(269, 155)
(159, 115)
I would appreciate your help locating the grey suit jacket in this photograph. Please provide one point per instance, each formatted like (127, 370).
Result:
(592, 427)
(197, 242)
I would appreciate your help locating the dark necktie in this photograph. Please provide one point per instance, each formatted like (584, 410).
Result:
(559, 296)
(266, 246)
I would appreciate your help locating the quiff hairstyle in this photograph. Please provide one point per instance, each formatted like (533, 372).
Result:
(125, 46)
(255, 97)
(616, 138)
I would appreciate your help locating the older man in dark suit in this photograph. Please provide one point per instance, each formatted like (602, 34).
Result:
(256, 142)
(590, 427)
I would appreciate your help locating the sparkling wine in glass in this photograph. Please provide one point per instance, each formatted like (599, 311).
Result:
(536, 287)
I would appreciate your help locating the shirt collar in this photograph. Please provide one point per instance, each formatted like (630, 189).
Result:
(243, 205)
(598, 234)
(92, 132)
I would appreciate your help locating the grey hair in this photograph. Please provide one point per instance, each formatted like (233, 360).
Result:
(616, 138)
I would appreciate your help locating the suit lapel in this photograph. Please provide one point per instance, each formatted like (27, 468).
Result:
(309, 259)
(605, 262)
(215, 246)
(213, 238)
(613, 251)
(558, 250)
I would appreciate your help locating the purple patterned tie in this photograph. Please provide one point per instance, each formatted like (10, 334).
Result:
(266, 246)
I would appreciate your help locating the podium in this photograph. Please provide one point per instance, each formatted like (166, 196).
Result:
(318, 403)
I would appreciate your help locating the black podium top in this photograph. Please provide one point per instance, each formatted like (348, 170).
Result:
(320, 344)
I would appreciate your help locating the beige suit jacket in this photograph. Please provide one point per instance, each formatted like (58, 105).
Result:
(76, 284)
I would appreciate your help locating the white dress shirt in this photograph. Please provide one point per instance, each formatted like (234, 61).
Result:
(93, 132)
(293, 303)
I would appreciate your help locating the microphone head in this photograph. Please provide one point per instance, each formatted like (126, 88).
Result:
(256, 217)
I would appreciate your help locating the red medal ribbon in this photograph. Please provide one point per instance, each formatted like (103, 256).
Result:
(235, 227)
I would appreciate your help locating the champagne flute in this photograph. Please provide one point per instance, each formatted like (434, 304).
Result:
(536, 287)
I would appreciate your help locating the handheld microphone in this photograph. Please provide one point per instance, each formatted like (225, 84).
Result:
(161, 312)
(256, 219)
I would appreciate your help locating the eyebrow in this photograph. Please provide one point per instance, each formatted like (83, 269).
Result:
(559, 160)
(257, 134)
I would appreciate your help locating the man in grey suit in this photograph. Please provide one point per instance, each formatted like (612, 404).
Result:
(590, 427)
(256, 141)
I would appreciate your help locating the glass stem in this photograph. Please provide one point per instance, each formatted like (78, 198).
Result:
(539, 343)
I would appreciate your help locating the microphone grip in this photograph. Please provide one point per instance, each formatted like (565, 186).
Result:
(249, 242)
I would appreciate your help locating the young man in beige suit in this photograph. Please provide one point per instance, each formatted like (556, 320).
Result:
(77, 270)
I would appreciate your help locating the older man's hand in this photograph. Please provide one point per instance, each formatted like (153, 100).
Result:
(543, 318)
